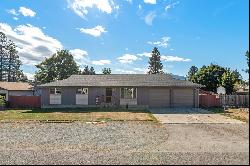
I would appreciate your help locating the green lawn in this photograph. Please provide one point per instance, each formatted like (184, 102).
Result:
(77, 114)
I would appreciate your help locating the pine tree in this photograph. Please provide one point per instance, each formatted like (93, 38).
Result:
(92, 71)
(191, 74)
(106, 70)
(88, 71)
(9, 61)
(155, 65)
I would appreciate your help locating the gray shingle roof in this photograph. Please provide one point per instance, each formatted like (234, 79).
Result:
(122, 80)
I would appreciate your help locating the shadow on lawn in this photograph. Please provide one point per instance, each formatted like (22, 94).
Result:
(83, 110)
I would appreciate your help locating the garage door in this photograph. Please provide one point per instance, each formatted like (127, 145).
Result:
(159, 97)
(183, 97)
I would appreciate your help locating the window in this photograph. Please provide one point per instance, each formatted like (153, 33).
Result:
(82, 91)
(108, 95)
(128, 93)
(55, 91)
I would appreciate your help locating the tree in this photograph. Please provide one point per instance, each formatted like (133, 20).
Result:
(229, 81)
(60, 66)
(191, 74)
(155, 65)
(210, 76)
(92, 71)
(247, 56)
(213, 76)
(9, 61)
(106, 70)
(88, 71)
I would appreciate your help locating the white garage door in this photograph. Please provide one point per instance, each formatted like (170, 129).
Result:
(183, 97)
(159, 97)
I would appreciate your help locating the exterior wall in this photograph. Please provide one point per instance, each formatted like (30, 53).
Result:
(45, 96)
(196, 98)
(142, 96)
(95, 91)
(69, 96)
(20, 93)
(116, 96)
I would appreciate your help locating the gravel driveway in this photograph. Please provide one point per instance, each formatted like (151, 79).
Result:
(123, 143)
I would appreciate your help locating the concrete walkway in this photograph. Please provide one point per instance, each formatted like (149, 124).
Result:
(189, 116)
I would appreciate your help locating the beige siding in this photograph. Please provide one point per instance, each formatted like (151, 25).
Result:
(183, 97)
(159, 97)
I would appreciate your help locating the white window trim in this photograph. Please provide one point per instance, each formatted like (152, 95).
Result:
(80, 97)
(132, 93)
(81, 93)
(55, 91)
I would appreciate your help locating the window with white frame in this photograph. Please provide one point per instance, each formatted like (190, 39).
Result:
(82, 91)
(55, 91)
(128, 93)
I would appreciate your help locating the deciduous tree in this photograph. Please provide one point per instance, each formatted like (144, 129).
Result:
(59, 66)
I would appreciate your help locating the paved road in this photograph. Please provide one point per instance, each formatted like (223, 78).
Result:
(190, 116)
(124, 143)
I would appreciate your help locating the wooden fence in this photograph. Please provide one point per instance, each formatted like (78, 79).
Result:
(25, 101)
(224, 100)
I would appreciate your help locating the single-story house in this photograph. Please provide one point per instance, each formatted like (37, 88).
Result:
(15, 89)
(242, 90)
(155, 90)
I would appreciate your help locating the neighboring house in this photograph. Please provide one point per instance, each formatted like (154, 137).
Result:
(242, 90)
(15, 89)
(119, 90)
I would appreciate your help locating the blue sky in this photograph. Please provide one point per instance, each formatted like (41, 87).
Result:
(120, 34)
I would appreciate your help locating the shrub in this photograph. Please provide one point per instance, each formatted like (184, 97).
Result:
(2, 102)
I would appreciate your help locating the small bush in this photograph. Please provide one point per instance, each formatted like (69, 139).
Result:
(2, 102)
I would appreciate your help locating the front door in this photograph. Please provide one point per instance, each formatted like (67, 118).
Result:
(108, 95)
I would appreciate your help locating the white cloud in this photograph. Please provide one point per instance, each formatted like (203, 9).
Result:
(127, 58)
(141, 70)
(172, 5)
(96, 31)
(146, 54)
(171, 49)
(101, 62)
(174, 59)
(149, 18)
(130, 1)
(32, 44)
(79, 54)
(30, 76)
(125, 71)
(150, 1)
(163, 43)
(15, 18)
(170, 66)
(13, 12)
(26, 12)
(80, 7)
(139, 7)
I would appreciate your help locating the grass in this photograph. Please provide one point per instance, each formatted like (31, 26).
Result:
(77, 114)
(241, 114)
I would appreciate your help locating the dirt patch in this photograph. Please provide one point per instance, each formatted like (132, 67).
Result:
(240, 113)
